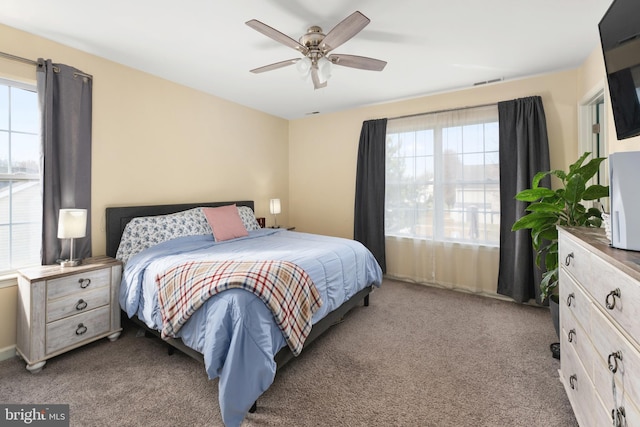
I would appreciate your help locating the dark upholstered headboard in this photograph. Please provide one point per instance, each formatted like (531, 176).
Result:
(118, 217)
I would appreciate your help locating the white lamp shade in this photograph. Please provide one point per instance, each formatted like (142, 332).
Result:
(324, 69)
(304, 67)
(72, 223)
(274, 206)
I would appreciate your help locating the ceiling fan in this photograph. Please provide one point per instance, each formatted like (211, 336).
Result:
(315, 47)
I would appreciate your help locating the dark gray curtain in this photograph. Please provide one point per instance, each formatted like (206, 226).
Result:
(524, 151)
(368, 227)
(64, 95)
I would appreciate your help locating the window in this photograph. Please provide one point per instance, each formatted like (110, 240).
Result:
(442, 176)
(20, 192)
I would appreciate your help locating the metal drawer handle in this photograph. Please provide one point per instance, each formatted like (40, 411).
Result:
(613, 366)
(572, 333)
(613, 294)
(569, 298)
(573, 379)
(81, 329)
(84, 283)
(619, 417)
(81, 305)
(567, 260)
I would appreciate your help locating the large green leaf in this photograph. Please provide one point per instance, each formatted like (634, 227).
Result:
(575, 188)
(533, 194)
(545, 207)
(591, 168)
(537, 178)
(595, 192)
(533, 220)
(573, 169)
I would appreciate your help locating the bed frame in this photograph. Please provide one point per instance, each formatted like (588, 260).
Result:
(118, 217)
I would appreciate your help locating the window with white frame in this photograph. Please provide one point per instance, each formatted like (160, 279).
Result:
(442, 176)
(20, 189)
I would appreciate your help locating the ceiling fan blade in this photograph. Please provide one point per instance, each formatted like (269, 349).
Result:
(316, 79)
(360, 62)
(274, 66)
(349, 27)
(276, 35)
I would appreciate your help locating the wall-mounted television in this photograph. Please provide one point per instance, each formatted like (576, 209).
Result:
(620, 38)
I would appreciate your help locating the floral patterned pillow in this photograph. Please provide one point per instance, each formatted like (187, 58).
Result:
(248, 218)
(143, 232)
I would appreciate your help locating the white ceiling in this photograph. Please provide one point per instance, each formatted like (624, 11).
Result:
(430, 45)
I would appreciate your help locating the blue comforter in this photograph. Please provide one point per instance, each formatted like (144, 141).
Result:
(234, 330)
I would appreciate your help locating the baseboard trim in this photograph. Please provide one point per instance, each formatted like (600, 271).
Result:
(7, 352)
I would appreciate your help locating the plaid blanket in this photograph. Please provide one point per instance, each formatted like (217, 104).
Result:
(284, 287)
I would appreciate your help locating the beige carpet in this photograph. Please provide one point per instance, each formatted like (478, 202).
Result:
(417, 356)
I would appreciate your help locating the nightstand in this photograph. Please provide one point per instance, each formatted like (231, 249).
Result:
(60, 309)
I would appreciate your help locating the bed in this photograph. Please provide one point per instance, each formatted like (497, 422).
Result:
(239, 336)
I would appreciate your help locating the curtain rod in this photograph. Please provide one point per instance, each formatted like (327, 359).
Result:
(442, 111)
(32, 62)
(18, 58)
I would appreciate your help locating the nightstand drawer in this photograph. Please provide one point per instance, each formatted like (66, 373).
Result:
(76, 304)
(72, 330)
(79, 282)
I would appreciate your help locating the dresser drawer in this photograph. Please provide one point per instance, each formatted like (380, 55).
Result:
(78, 283)
(618, 295)
(76, 329)
(77, 303)
(573, 300)
(602, 415)
(575, 259)
(573, 336)
(579, 389)
(609, 343)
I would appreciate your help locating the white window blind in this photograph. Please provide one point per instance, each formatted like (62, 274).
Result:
(20, 189)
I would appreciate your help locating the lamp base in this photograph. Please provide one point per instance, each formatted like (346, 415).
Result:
(70, 263)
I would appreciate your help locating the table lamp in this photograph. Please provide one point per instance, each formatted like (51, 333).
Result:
(72, 224)
(274, 208)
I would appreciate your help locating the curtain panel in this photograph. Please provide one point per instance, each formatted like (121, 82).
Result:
(524, 151)
(65, 100)
(368, 225)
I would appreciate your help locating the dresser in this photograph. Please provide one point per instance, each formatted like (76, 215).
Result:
(599, 328)
(63, 308)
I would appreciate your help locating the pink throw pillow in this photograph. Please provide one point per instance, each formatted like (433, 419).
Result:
(225, 222)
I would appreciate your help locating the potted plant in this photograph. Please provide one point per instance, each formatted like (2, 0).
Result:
(563, 206)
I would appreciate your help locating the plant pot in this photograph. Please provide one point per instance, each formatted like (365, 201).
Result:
(554, 307)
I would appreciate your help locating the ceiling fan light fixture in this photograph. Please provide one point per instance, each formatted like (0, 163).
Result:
(324, 69)
(304, 67)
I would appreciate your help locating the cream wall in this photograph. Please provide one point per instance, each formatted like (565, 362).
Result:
(158, 142)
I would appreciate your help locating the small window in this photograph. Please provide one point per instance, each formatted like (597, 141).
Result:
(442, 176)
(20, 188)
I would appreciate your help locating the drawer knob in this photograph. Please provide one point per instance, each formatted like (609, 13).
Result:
(613, 365)
(84, 283)
(569, 298)
(619, 417)
(610, 300)
(81, 305)
(572, 333)
(567, 260)
(81, 329)
(573, 379)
